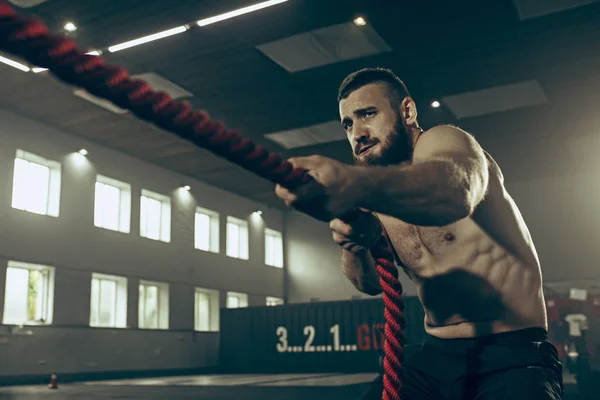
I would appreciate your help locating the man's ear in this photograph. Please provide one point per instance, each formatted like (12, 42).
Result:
(408, 111)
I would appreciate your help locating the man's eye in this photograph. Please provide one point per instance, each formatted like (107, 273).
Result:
(369, 114)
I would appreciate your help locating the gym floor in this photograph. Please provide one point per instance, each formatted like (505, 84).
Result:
(214, 387)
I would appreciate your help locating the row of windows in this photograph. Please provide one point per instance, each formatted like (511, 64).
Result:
(29, 299)
(36, 189)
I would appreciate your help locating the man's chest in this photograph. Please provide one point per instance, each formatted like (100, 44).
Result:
(416, 246)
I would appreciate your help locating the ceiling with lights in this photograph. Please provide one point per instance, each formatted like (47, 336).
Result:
(517, 74)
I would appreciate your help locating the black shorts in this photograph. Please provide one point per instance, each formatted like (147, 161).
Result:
(508, 366)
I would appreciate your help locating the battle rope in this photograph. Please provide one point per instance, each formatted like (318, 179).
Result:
(29, 38)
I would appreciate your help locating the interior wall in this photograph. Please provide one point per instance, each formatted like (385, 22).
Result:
(76, 248)
(39, 351)
(314, 265)
(562, 215)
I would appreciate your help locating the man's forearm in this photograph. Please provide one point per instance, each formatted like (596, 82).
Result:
(361, 270)
(433, 193)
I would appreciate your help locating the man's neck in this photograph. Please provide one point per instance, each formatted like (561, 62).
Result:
(415, 133)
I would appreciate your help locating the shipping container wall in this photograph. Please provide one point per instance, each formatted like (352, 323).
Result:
(314, 337)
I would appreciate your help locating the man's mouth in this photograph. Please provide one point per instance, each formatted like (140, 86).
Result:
(365, 149)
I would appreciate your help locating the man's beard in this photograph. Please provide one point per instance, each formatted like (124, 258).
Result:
(394, 150)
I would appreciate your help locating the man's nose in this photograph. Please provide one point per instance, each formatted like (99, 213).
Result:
(361, 134)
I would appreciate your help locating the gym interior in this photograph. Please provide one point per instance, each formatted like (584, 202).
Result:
(135, 263)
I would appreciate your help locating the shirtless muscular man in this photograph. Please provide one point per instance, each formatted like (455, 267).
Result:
(440, 200)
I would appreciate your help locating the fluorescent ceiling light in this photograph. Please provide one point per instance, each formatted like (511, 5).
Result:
(149, 38)
(14, 64)
(241, 11)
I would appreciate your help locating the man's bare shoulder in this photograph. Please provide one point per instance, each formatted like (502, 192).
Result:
(493, 167)
(449, 130)
(446, 141)
(454, 133)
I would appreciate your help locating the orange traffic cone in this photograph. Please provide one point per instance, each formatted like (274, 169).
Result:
(53, 384)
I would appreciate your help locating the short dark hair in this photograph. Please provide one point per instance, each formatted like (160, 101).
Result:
(396, 89)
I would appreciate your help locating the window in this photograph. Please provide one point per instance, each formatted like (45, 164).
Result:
(112, 206)
(155, 220)
(207, 230)
(237, 238)
(273, 248)
(29, 294)
(237, 300)
(36, 184)
(153, 305)
(206, 313)
(274, 301)
(108, 303)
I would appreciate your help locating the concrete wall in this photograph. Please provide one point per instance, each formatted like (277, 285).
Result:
(76, 249)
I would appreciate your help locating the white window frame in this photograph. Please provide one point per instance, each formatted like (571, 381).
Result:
(119, 317)
(165, 215)
(45, 301)
(212, 228)
(242, 299)
(124, 206)
(273, 248)
(213, 310)
(162, 307)
(237, 228)
(20, 191)
(274, 301)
